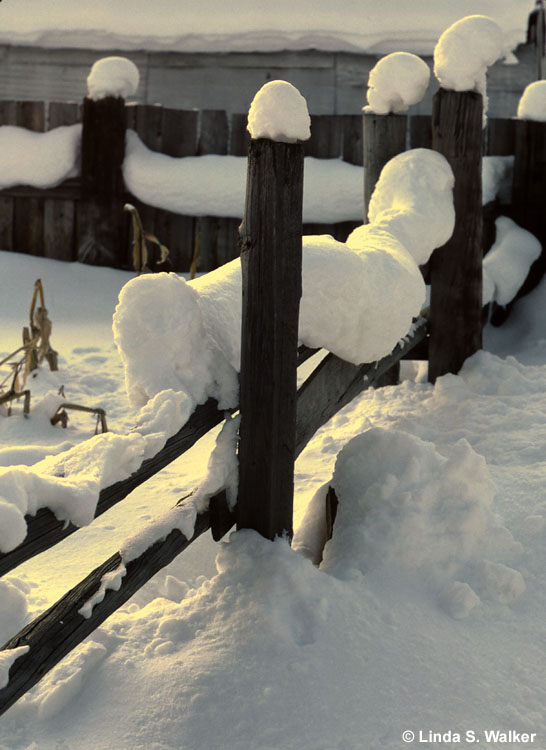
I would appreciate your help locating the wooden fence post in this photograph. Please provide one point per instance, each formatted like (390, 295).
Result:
(101, 222)
(456, 268)
(271, 256)
(528, 189)
(383, 136)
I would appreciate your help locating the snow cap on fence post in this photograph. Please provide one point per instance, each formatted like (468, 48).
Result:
(279, 112)
(532, 105)
(112, 76)
(395, 83)
(464, 52)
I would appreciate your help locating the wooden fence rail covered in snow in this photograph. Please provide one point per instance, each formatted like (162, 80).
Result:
(54, 222)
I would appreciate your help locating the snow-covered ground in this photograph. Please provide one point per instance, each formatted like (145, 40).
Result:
(375, 26)
(428, 616)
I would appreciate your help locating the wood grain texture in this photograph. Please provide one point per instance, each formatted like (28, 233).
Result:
(271, 257)
(528, 189)
(101, 224)
(384, 136)
(456, 268)
(28, 215)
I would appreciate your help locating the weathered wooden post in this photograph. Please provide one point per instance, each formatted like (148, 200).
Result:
(101, 221)
(383, 136)
(456, 268)
(528, 188)
(271, 256)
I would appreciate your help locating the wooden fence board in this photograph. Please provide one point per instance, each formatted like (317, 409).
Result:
(213, 132)
(213, 139)
(28, 214)
(6, 223)
(179, 132)
(59, 214)
(326, 137)
(239, 139)
(420, 131)
(501, 137)
(179, 138)
(352, 149)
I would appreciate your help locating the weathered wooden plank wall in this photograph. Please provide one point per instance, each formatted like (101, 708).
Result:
(46, 222)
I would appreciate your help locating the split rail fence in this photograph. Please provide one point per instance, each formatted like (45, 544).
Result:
(286, 416)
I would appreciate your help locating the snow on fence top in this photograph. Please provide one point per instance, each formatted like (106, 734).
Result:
(279, 112)
(532, 105)
(413, 201)
(38, 159)
(113, 76)
(358, 298)
(396, 82)
(465, 51)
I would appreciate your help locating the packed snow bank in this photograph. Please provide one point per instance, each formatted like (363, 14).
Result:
(112, 76)
(40, 160)
(532, 105)
(413, 201)
(465, 51)
(279, 112)
(506, 265)
(396, 82)
(403, 504)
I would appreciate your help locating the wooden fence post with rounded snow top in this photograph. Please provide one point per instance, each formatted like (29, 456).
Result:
(456, 268)
(101, 228)
(271, 257)
(271, 242)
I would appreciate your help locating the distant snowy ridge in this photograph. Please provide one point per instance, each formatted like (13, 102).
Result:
(245, 26)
